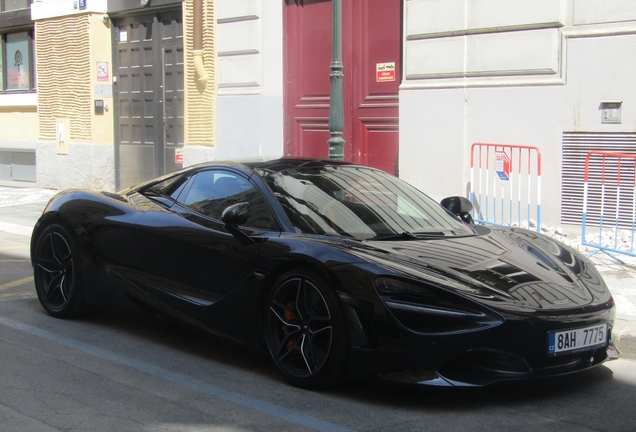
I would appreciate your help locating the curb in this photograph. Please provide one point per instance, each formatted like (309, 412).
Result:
(621, 279)
(624, 335)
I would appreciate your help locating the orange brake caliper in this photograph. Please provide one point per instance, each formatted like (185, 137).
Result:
(290, 316)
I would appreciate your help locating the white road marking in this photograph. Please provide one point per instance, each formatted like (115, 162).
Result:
(11, 228)
(17, 196)
(624, 306)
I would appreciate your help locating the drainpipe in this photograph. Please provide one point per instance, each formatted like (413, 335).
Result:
(197, 42)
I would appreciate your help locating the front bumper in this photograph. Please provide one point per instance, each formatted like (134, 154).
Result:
(485, 367)
(516, 349)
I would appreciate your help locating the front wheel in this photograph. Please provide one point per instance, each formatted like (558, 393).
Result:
(306, 330)
(56, 273)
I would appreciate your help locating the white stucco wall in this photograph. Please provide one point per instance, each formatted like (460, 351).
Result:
(250, 65)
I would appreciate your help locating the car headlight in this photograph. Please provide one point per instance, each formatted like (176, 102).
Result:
(392, 286)
(425, 308)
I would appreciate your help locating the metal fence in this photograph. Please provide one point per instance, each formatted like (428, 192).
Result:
(505, 184)
(609, 203)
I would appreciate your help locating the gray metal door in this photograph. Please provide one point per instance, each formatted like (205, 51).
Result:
(148, 95)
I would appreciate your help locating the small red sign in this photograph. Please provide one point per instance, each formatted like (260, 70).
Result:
(385, 72)
(102, 71)
(178, 156)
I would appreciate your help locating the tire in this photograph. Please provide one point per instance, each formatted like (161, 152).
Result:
(305, 331)
(56, 273)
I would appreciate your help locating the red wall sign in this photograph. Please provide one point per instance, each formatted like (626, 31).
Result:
(384, 72)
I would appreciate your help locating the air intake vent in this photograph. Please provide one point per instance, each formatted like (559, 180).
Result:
(576, 146)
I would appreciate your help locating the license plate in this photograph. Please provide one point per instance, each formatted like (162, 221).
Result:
(563, 342)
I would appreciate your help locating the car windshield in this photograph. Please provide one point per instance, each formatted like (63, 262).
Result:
(359, 202)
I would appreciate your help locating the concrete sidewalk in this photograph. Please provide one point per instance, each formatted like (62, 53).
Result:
(621, 279)
(20, 208)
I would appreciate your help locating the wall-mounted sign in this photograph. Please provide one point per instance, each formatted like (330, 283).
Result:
(178, 155)
(102, 71)
(385, 72)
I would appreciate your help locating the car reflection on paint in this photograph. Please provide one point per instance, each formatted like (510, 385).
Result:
(335, 270)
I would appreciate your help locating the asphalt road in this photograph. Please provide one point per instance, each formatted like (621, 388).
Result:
(127, 370)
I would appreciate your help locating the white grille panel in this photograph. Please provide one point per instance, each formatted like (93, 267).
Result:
(576, 146)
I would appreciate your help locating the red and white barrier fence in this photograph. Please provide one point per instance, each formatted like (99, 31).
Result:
(609, 203)
(505, 184)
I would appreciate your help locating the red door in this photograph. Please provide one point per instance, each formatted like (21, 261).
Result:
(371, 55)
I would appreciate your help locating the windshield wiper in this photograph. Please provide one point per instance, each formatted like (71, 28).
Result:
(407, 235)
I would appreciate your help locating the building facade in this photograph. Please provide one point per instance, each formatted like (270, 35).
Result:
(555, 75)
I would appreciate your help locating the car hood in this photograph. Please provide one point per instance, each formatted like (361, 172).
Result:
(504, 267)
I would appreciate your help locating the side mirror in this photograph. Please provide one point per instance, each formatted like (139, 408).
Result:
(460, 207)
(236, 214)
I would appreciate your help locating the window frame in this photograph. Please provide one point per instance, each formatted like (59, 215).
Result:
(31, 62)
(18, 21)
(183, 193)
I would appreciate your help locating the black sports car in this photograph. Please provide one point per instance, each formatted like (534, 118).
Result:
(334, 269)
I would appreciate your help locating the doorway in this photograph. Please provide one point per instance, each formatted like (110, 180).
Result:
(371, 55)
(148, 78)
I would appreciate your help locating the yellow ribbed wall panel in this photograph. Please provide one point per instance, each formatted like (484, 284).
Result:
(64, 76)
(199, 99)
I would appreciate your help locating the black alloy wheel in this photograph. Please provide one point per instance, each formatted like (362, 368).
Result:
(306, 331)
(56, 273)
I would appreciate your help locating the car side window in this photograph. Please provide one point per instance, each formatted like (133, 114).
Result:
(213, 191)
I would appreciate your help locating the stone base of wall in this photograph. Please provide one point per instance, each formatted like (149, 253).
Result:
(86, 166)
(193, 155)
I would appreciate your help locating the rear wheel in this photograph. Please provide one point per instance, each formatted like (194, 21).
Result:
(56, 273)
(306, 330)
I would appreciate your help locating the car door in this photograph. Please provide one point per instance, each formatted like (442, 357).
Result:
(193, 262)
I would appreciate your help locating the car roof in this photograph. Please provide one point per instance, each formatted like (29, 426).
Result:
(248, 164)
(272, 165)
(285, 163)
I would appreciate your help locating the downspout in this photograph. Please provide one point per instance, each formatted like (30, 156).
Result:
(197, 42)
